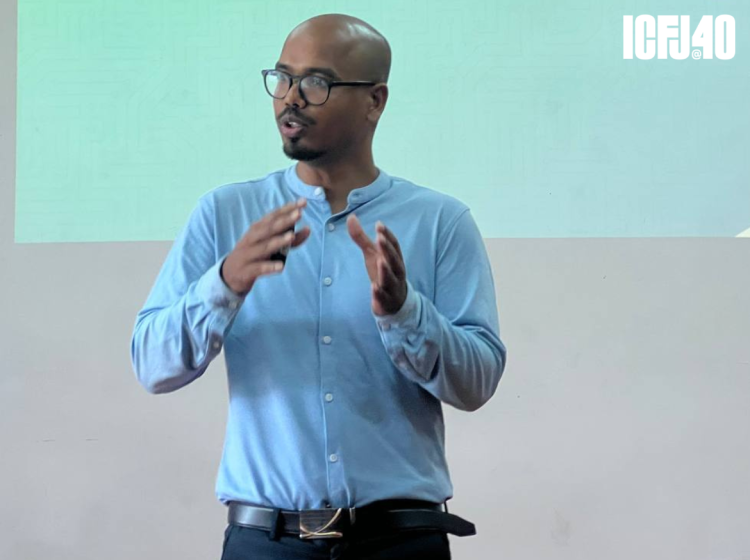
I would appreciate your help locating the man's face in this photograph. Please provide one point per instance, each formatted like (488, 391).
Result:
(329, 130)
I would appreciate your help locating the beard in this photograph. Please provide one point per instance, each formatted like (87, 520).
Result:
(293, 150)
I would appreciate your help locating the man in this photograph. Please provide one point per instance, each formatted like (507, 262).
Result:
(340, 350)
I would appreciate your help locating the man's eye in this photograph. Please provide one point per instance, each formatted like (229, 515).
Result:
(317, 82)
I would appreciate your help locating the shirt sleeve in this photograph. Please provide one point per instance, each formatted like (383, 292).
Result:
(451, 346)
(182, 324)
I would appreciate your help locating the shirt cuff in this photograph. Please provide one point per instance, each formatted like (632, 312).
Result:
(409, 310)
(212, 288)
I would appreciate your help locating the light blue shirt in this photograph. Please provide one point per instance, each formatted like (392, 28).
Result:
(329, 404)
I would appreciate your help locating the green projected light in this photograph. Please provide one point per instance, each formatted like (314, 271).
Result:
(526, 111)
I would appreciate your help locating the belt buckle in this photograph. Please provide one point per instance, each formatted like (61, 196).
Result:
(317, 523)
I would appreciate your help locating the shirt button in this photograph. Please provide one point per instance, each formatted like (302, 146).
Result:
(217, 344)
(329, 397)
(331, 227)
(386, 326)
(333, 457)
(326, 339)
(233, 305)
(328, 281)
(318, 191)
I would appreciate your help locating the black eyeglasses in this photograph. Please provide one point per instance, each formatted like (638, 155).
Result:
(313, 89)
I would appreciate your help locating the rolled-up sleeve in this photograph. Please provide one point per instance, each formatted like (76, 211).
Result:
(182, 324)
(451, 346)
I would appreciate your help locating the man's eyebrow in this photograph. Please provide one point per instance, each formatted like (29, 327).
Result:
(319, 70)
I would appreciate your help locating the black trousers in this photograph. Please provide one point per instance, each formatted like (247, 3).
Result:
(245, 543)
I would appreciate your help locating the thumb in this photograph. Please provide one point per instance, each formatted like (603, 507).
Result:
(357, 233)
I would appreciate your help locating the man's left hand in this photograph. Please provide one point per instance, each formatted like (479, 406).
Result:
(385, 266)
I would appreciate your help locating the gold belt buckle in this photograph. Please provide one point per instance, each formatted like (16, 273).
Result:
(317, 523)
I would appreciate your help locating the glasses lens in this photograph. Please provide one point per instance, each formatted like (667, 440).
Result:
(277, 84)
(315, 89)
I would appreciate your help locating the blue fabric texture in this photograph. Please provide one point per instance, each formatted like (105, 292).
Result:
(329, 404)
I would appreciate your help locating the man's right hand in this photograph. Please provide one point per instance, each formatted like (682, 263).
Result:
(250, 257)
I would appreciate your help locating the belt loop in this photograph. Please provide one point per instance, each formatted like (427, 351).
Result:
(273, 533)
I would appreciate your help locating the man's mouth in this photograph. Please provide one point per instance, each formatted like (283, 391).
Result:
(291, 127)
(293, 121)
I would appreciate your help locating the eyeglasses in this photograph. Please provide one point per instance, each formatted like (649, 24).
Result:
(313, 89)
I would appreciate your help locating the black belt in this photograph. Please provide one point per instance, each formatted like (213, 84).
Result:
(337, 522)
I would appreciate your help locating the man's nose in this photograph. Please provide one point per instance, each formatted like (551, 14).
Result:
(294, 95)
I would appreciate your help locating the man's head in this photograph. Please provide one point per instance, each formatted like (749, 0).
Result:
(352, 51)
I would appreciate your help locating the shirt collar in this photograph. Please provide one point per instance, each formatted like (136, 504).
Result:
(356, 197)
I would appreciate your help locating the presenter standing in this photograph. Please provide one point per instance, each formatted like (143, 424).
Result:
(350, 304)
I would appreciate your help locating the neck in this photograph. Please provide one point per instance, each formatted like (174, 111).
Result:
(339, 178)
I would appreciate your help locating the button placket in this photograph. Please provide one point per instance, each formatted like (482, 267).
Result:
(327, 334)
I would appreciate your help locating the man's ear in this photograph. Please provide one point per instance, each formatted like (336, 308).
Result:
(378, 98)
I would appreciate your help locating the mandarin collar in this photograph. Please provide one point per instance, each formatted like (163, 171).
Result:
(356, 197)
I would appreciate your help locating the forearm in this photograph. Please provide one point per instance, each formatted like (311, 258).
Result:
(459, 364)
(173, 343)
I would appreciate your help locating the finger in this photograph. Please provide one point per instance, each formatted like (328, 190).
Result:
(358, 234)
(299, 203)
(284, 221)
(301, 236)
(277, 242)
(283, 214)
(274, 223)
(262, 249)
(389, 253)
(379, 293)
(386, 278)
(381, 227)
(381, 272)
(263, 268)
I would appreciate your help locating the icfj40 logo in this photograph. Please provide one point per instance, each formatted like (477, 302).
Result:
(670, 37)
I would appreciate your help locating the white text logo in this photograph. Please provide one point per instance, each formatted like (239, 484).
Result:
(669, 37)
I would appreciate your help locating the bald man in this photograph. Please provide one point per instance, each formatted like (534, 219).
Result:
(351, 304)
